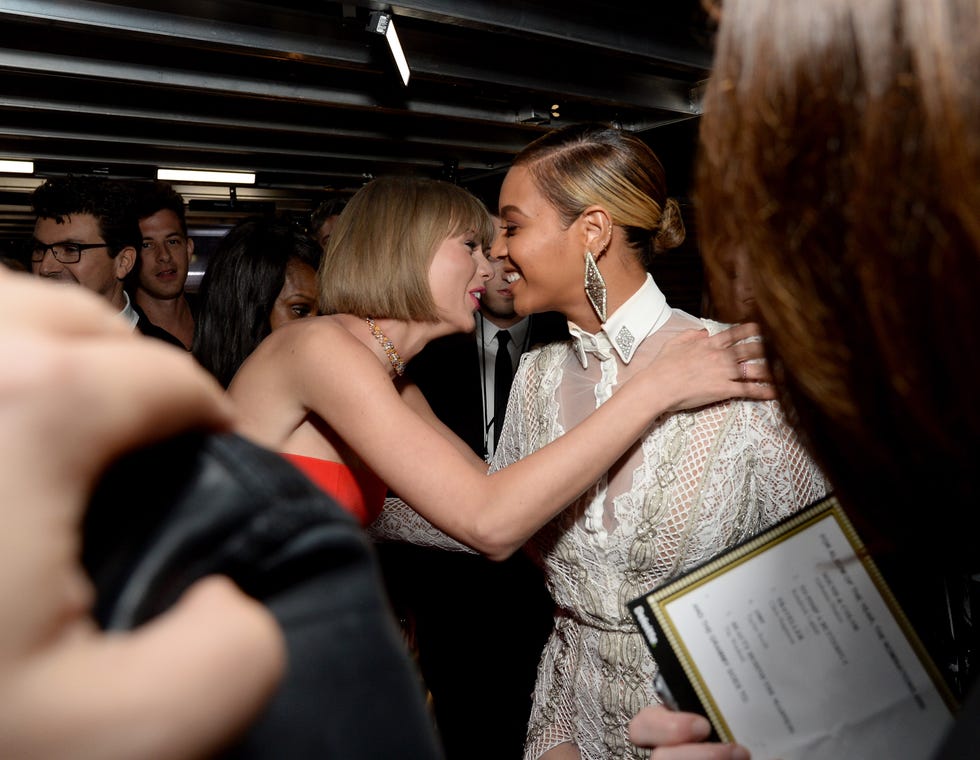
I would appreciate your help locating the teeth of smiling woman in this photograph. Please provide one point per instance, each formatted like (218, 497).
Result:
(511, 277)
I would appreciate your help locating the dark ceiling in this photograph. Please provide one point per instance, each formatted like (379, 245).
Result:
(303, 95)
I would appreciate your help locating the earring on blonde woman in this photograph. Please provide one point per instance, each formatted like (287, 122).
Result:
(595, 286)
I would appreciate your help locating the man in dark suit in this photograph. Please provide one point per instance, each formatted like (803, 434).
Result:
(479, 626)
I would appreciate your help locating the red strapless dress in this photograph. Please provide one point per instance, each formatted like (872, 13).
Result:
(364, 499)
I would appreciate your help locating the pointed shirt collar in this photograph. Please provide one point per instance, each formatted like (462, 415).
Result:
(644, 313)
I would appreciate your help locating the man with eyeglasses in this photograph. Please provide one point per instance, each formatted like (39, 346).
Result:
(86, 233)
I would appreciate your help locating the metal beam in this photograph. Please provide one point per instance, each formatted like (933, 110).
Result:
(223, 84)
(360, 131)
(317, 42)
(630, 37)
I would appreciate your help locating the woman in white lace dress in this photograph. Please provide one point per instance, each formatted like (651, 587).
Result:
(588, 202)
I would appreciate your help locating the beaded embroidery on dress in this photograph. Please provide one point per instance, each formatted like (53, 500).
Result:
(696, 484)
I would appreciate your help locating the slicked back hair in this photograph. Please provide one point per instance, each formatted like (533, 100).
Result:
(585, 164)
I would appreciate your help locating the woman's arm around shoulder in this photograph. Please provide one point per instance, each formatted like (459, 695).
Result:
(351, 390)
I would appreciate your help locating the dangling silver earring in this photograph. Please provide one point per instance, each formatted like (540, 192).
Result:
(595, 286)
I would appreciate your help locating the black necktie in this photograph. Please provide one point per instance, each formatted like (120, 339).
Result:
(503, 376)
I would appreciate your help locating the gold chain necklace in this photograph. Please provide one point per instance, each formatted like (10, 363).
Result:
(389, 348)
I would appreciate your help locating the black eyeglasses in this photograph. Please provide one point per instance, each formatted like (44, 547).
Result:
(65, 252)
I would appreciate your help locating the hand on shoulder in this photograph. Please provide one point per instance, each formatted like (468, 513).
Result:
(696, 369)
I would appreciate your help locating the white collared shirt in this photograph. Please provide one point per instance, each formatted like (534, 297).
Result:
(643, 313)
(128, 313)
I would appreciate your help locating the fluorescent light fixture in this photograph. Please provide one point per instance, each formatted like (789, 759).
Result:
(200, 175)
(382, 23)
(397, 53)
(16, 167)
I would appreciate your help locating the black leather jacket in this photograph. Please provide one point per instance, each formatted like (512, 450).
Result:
(175, 512)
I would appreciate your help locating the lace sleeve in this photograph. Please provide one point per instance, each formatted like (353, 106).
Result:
(399, 522)
(532, 412)
(789, 479)
(786, 476)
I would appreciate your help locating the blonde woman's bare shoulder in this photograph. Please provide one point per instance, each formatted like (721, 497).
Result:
(297, 337)
(271, 389)
(319, 340)
(322, 354)
(274, 359)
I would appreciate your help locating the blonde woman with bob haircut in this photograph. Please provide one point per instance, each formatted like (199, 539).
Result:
(376, 230)
(406, 264)
(588, 204)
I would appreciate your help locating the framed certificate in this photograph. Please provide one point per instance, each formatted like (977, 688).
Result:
(793, 646)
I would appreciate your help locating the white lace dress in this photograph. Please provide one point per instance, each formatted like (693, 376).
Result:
(698, 482)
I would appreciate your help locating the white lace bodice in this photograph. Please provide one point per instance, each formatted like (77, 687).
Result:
(697, 483)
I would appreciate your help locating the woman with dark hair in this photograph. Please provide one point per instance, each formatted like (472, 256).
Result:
(841, 143)
(262, 276)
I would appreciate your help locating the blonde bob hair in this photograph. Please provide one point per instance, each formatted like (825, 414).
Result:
(377, 261)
